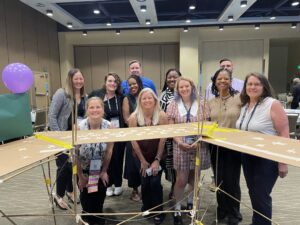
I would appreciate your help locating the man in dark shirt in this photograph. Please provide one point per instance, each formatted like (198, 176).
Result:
(296, 93)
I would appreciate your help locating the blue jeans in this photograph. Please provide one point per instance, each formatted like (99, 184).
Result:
(261, 175)
(152, 192)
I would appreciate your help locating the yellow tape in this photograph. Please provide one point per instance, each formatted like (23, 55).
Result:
(210, 129)
(198, 222)
(54, 141)
(197, 161)
(48, 181)
(74, 170)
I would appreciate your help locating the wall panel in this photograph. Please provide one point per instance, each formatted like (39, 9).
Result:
(28, 37)
(99, 60)
(83, 62)
(116, 60)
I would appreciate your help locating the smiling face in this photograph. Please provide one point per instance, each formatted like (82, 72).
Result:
(147, 100)
(223, 82)
(133, 86)
(171, 79)
(184, 89)
(95, 109)
(111, 84)
(227, 65)
(135, 69)
(254, 88)
(78, 81)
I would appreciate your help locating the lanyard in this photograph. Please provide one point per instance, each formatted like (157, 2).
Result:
(243, 118)
(188, 114)
(109, 103)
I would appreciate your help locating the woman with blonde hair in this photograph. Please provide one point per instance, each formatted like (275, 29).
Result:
(149, 152)
(92, 163)
(184, 109)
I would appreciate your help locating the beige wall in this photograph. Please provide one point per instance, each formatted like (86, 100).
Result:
(96, 61)
(28, 37)
(191, 46)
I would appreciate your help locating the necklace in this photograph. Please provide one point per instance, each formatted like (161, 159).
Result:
(224, 101)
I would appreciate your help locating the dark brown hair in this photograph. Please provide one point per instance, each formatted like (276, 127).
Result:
(267, 88)
(118, 81)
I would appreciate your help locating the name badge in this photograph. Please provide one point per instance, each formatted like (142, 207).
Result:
(115, 122)
(95, 165)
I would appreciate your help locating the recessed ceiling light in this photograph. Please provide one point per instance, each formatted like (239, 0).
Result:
(192, 7)
(96, 11)
(151, 31)
(108, 24)
(256, 26)
(294, 25)
(49, 12)
(185, 29)
(221, 27)
(230, 18)
(69, 25)
(272, 17)
(143, 8)
(148, 22)
(295, 3)
(188, 20)
(243, 4)
(118, 32)
(84, 33)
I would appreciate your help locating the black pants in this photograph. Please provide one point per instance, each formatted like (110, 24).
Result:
(115, 170)
(152, 192)
(63, 175)
(93, 203)
(132, 165)
(227, 171)
(261, 175)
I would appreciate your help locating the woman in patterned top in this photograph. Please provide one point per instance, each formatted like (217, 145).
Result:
(184, 109)
(92, 163)
(166, 97)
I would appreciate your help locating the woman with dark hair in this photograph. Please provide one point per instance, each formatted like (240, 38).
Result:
(225, 109)
(92, 164)
(112, 96)
(149, 152)
(166, 97)
(60, 119)
(184, 109)
(264, 114)
(131, 172)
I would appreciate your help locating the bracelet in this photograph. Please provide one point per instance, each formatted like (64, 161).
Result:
(158, 159)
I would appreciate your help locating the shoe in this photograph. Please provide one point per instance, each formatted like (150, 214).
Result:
(118, 191)
(177, 219)
(189, 206)
(59, 202)
(70, 197)
(239, 216)
(159, 219)
(109, 191)
(135, 196)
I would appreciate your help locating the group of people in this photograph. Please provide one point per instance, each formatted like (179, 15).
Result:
(134, 103)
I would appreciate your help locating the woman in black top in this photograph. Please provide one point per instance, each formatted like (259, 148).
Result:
(111, 94)
(131, 172)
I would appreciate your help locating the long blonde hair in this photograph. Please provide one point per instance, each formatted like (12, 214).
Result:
(140, 113)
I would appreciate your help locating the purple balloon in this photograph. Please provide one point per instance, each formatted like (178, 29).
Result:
(17, 77)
